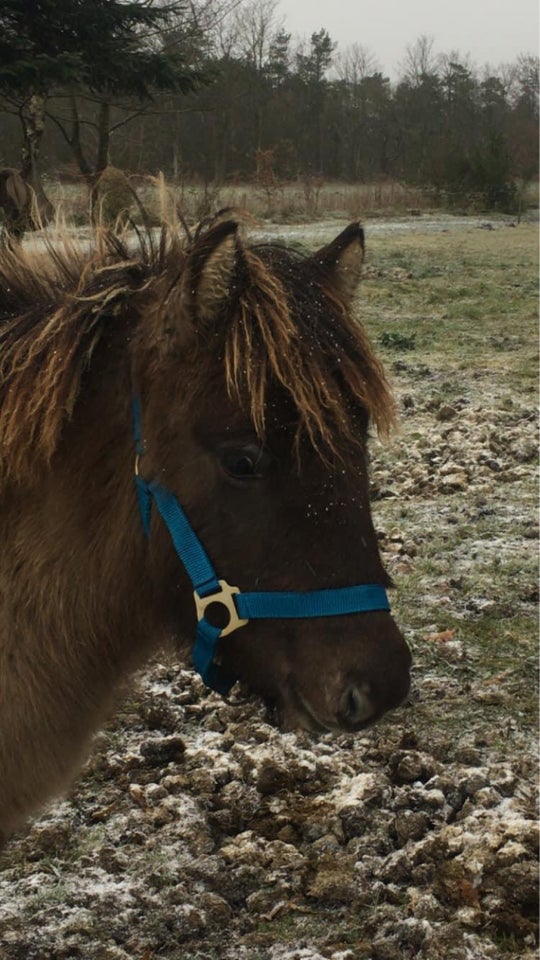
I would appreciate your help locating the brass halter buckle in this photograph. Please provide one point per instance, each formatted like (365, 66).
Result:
(225, 598)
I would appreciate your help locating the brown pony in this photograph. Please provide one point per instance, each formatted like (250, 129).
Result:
(112, 199)
(15, 201)
(256, 387)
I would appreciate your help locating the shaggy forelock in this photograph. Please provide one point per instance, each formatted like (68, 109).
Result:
(285, 330)
(292, 330)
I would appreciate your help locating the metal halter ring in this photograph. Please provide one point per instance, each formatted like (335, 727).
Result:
(225, 598)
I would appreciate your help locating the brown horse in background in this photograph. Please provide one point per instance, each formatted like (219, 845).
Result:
(15, 201)
(257, 385)
(112, 200)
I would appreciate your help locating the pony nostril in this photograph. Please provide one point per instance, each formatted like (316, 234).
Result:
(356, 704)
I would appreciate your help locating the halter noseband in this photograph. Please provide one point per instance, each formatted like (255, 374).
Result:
(241, 607)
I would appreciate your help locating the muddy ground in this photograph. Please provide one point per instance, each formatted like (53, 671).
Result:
(197, 830)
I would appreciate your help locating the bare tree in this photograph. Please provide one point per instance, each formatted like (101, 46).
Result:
(355, 63)
(419, 60)
(256, 26)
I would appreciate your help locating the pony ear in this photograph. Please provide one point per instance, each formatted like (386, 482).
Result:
(211, 268)
(340, 262)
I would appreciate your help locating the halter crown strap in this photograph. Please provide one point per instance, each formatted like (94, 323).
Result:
(241, 607)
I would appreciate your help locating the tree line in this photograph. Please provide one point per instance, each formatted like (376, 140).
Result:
(218, 90)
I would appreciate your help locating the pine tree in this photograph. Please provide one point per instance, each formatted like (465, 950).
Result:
(109, 48)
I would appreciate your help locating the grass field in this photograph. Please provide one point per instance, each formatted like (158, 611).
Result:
(461, 467)
(300, 201)
(291, 202)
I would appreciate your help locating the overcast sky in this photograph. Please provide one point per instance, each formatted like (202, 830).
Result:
(491, 31)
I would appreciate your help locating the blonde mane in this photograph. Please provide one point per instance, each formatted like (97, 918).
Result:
(55, 305)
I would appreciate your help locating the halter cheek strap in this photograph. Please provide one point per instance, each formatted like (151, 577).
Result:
(241, 607)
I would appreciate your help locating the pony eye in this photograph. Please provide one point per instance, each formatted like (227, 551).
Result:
(246, 463)
(241, 466)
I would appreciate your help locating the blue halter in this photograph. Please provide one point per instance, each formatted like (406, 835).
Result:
(241, 607)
